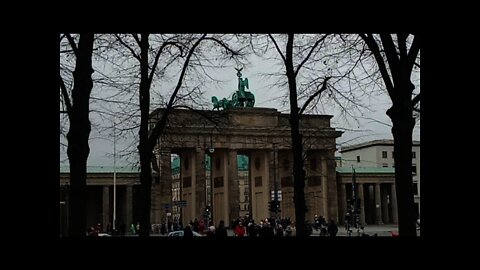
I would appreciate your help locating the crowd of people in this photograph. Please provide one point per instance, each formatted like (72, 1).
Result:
(241, 227)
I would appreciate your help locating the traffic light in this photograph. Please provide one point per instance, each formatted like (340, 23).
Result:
(274, 206)
(207, 212)
(277, 206)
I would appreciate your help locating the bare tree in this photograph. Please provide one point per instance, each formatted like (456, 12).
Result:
(293, 62)
(188, 50)
(396, 56)
(77, 110)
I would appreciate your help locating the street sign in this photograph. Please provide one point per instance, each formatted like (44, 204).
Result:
(182, 203)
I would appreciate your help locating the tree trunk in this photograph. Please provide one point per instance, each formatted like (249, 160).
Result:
(402, 130)
(297, 147)
(144, 148)
(78, 149)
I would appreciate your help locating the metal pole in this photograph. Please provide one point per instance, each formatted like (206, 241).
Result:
(210, 151)
(275, 188)
(114, 178)
(355, 215)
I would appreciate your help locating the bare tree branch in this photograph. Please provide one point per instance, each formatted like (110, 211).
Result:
(221, 43)
(159, 52)
(278, 49)
(72, 43)
(373, 46)
(160, 125)
(65, 96)
(128, 47)
(402, 45)
(391, 54)
(309, 54)
(324, 86)
(416, 99)
(412, 53)
(135, 36)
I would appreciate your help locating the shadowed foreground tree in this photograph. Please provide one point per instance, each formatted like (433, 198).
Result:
(78, 113)
(148, 138)
(396, 62)
(295, 114)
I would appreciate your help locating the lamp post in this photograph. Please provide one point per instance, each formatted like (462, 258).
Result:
(356, 210)
(275, 187)
(65, 205)
(114, 178)
(211, 150)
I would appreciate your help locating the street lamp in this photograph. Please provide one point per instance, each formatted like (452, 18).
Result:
(64, 204)
(114, 178)
(211, 150)
(275, 187)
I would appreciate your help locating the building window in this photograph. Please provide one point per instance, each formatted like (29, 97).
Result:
(414, 169)
(287, 181)
(218, 182)
(414, 155)
(257, 163)
(258, 181)
(217, 163)
(358, 158)
(286, 164)
(314, 180)
(393, 154)
(384, 154)
(313, 164)
(385, 165)
(415, 188)
(187, 182)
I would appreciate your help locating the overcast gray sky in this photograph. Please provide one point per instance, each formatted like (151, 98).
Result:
(374, 124)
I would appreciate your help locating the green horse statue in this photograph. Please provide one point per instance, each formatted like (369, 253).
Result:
(248, 99)
(223, 103)
(240, 98)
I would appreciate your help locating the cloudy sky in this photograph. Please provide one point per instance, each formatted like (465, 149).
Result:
(369, 125)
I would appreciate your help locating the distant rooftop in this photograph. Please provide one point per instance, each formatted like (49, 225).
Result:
(372, 143)
(365, 170)
(104, 169)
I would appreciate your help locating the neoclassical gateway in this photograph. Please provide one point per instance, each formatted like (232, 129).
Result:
(263, 135)
(209, 144)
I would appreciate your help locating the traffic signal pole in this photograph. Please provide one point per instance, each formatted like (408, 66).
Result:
(275, 187)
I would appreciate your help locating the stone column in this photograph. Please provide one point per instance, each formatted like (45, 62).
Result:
(343, 202)
(362, 204)
(233, 193)
(105, 207)
(164, 189)
(332, 199)
(200, 183)
(385, 215)
(259, 171)
(129, 206)
(325, 188)
(378, 205)
(393, 201)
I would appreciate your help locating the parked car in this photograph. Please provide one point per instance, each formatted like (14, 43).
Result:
(180, 234)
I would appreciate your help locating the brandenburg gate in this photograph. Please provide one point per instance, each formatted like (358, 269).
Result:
(264, 136)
